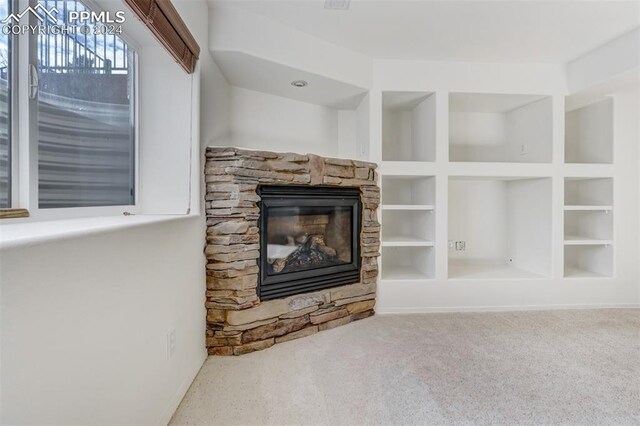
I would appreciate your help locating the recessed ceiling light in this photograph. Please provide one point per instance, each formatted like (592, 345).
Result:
(299, 83)
(337, 4)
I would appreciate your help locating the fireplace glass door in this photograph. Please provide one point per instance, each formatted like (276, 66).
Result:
(309, 239)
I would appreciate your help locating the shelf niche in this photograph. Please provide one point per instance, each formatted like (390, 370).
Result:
(500, 128)
(582, 227)
(591, 261)
(409, 191)
(408, 126)
(588, 192)
(408, 263)
(589, 133)
(505, 224)
(408, 227)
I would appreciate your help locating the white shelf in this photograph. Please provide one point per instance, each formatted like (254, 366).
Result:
(571, 272)
(588, 208)
(405, 241)
(403, 273)
(409, 207)
(573, 240)
(488, 269)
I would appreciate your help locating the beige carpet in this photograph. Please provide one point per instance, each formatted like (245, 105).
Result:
(555, 367)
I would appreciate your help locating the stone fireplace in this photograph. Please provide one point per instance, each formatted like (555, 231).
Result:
(292, 246)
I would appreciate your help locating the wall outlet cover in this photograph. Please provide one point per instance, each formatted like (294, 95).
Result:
(171, 343)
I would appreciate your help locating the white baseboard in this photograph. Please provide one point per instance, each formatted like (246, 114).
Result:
(451, 309)
(180, 393)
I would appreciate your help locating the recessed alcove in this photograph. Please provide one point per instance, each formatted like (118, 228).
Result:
(325, 116)
(408, 263)
(589, 133)
(586, 192)
(500, 128)
(499, 227)
(408, 126)
(409, 191)
(590, 261)
(588, 227)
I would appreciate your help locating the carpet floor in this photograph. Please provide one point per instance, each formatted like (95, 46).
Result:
(578, 367)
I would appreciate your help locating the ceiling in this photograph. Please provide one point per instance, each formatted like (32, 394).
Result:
(469, 31)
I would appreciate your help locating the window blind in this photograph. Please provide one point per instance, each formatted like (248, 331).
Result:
(164, 21)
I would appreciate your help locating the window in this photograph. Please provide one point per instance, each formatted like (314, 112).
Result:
(5, 110)
(85, 115)
(79, 100)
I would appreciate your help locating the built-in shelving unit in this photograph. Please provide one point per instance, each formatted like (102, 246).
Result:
(589, 133)
(500, 128)
(588, 227)
(408, 126)
(408, 235)
(499, 210)
(499, 227)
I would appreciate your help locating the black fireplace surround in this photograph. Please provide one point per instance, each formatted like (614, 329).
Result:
(309, 239)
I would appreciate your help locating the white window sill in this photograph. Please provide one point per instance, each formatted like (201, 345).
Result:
(28, 233)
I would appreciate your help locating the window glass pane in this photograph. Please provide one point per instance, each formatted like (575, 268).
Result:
(5, 112)
(85, 114)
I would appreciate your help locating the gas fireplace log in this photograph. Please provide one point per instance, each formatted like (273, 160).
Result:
(313, 251)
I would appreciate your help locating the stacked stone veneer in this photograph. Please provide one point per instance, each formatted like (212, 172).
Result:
(237, 321)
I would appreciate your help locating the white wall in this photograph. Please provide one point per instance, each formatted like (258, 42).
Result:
(85, 323)
(264, 121)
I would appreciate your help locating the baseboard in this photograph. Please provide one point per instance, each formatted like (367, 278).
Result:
(180, 393)
(427, 310)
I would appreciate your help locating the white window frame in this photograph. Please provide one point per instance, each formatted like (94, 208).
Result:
(24, 154)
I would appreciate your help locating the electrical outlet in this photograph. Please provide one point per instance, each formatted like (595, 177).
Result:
(171, 343)
(461, 245)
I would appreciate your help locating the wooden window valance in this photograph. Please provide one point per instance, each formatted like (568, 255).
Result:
(162, 18)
